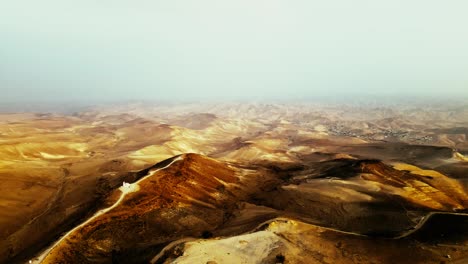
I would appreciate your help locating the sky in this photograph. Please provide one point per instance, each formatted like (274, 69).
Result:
(244, 49)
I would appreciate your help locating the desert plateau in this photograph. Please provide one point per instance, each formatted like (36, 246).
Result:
(235, 183)
(234, 132)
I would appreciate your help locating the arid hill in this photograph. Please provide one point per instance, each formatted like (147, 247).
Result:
(140, 183)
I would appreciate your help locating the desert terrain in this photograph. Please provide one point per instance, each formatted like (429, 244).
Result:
(235, 183)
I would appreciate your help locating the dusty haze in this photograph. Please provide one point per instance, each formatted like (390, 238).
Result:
(159, 50)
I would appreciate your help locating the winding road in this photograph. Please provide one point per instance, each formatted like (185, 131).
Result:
(134, 187)
(125, 189)
(424, 220)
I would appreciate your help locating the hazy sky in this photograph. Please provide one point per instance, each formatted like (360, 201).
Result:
(119, 50)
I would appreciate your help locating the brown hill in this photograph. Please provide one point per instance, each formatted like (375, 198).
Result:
(359, 195)
(188, 197)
